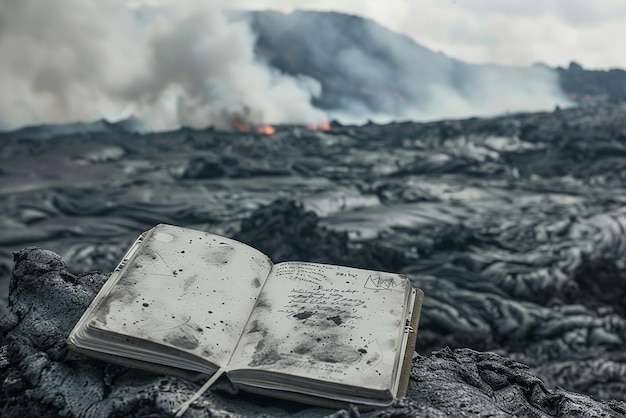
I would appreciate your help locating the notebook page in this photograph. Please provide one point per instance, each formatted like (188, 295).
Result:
(186, 289)
(332, 323)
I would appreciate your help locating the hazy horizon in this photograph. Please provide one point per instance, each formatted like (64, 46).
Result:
(185, 64)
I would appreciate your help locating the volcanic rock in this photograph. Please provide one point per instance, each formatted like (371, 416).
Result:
(200, 168)
(512, 226)
(285, 231)
(41, 377)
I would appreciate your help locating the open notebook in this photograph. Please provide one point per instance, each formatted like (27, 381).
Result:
(191, 303)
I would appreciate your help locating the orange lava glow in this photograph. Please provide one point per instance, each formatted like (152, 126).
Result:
(325, 126)
(266, 129)
(240, 125)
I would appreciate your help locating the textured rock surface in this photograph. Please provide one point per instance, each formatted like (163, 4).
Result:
(573, 337)
(42, 378)
(513, 226)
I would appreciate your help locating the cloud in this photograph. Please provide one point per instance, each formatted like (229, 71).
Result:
(511, 32)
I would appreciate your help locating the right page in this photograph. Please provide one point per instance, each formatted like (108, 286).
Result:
(340, 325)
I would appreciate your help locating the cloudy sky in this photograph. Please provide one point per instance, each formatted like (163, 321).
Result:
(516, 32)
(183, 63)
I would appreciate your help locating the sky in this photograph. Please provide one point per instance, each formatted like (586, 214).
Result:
(513, 32)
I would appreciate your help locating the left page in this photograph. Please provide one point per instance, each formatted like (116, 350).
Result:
(184, 290)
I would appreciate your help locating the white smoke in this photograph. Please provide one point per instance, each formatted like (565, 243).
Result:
(81, 60)
(388, 76)
(184, 63)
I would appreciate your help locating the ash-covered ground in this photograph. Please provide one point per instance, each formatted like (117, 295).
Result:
(514, 227)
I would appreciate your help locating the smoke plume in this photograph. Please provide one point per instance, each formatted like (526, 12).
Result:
(189, 64)
(368, 71)
(72, 60)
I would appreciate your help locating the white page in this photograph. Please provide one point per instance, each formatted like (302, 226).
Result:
(186, 289)
(325, 322)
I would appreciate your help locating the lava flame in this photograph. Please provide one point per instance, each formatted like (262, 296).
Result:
(239, 124)
(325, 126)
(266, 129)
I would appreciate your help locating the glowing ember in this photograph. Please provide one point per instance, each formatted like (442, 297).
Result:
(325, 126)
(239, 124)
(266, 129)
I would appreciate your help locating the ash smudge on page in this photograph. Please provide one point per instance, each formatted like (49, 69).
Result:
(263, 303)
(266, 353)
(326, 353)
(183, 337)
(220, 255)
(328, 349)
(188, 282)
(124, 293)
(266, 350)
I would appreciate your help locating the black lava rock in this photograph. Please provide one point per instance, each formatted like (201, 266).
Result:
(40, 377)
(199, 168)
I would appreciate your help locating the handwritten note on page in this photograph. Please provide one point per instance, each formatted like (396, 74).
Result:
(327, 322)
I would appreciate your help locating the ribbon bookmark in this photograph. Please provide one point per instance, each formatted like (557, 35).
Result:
(183, 408)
